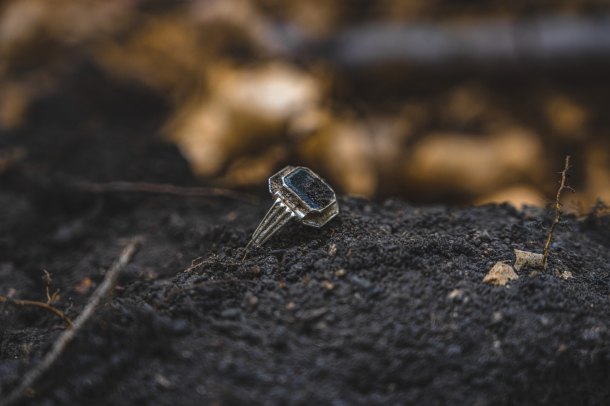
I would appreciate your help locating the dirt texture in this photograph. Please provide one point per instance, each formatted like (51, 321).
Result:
(384, 305)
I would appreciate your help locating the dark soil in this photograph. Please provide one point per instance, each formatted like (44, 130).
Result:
(384, 305)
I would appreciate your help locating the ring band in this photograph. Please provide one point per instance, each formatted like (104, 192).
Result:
(299, 194)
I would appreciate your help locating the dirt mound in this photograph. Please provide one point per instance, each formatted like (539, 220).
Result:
(384, 305)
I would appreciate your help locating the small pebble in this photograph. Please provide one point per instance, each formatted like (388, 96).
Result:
(455, 294)
(163, 382)
(500, 274)
(328, 285)
(528, 260)
(497, 317)
(251, 300)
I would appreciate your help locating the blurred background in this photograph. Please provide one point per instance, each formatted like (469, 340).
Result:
(435, 101)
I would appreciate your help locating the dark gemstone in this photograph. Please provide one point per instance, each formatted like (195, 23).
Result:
(309, 188)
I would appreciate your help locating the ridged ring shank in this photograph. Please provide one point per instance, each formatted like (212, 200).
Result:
(277, 216)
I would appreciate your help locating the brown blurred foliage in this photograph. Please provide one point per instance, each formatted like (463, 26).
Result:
(247, 96)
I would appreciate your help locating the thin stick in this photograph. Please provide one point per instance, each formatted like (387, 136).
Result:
(562, 186)
(68, 335)
(33, 303)
(163, 189)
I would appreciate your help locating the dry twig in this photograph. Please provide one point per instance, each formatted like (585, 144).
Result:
(51, 298)
(163, 189)
(41, 305)
(68, 335)
(562, 186)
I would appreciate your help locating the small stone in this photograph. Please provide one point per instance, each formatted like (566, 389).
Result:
(340, 273)
(565, 275)
(83, 286)
(528, 259)
(455, 294)
(500, 274)
(163, 382)
(251, 300)
(328, 285)
(290, 305)
(332, 250)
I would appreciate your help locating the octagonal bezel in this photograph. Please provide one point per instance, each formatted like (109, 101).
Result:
(303, 211)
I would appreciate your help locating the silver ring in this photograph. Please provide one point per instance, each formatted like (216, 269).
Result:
(298, 194)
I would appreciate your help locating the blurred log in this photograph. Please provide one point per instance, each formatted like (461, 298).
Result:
(547, 41)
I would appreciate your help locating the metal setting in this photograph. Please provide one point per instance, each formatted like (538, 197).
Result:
(298, 194)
